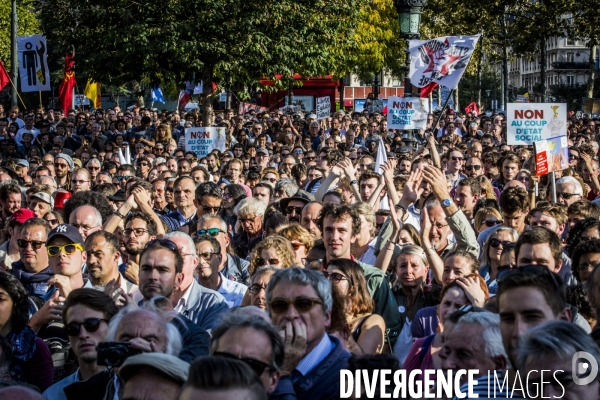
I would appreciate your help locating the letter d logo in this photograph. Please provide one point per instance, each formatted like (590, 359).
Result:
(581, 368)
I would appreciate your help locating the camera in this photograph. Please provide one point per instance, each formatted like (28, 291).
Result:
(114, 354)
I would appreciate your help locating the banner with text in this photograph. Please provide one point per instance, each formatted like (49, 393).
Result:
(323, 107)
(204, 140)
(532, 122)
(551, 155)
(407, 113)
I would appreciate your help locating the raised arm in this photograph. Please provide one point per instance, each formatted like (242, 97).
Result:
(435, 156)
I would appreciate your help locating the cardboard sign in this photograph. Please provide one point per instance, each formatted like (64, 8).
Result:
(551, 155)
(244, 107)
(323, 107)
(528, 123)
(204, 140)
(407, 112)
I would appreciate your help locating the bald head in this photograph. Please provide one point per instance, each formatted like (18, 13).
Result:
(87, 219)
(19, 392)
(146, 325)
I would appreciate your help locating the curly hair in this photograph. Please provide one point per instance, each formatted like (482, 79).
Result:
(337, 213)
(297, 232)
(361, 301)
(20, 312)
(281, 245)
(514, 199)
(590, 246)
(96, 200)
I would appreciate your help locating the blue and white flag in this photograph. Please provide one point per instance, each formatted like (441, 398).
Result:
(157, 95)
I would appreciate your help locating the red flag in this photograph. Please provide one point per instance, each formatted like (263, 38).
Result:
(4, 77)
(472, 108)
(426, 90)
(65, 91)
(184, 98)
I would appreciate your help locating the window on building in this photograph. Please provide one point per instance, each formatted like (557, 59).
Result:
(396, 82)
(570, 42)
(570, 80)
(570, 56)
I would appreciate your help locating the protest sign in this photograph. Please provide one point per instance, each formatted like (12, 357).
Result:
(33, 65)
(407, 113)
(245, 107)
(532, 122)
(204, 140)
(323, 107)
(551, 155)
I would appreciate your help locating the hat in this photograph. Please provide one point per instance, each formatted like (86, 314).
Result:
(43, 196)
(171, 366)
(67, 158)
(67, 231)
(21, 215)
(312, 116)
(300, 195)
(262, 150)
(118, 196)
(61, 198)
(404, 150)
(24, 163)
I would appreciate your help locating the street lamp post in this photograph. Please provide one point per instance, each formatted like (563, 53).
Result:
(409, 13)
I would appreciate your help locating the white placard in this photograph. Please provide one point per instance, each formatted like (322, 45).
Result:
(204, 140)
(531, 122)
(33, 63)
(323, 107)
(407, 112)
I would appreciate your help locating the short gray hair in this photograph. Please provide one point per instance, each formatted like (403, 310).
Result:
(93, 161)
(303, 277)
(559, 338)
(207, 217)
(184, 236)
(174, 341)
(235, 320)
(572, 181)
(288, 186)
(250, 206)
(265, 269)
(491, 333)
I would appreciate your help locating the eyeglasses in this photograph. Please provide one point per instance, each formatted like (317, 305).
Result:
(257, 366)
(121, 177)
(35, 244)
(501, 268)
(473, 167)
(206, 256)
(301, 304)
(310, 158)
(242, 220)
(296, 246)
(453, 158)
(78, 181)
(227, 196)
(69, 249)
(138, 232)
(59, 165)
(84, 228)
(144, 164)
(169, 189)
(256, 288)
(439, 226)
(90, 325)
(52, 221)
(533, 270)
(335, 276)
(566, 196)
(290, 210)
(492, 222)
(94, 168)
(497, 242)
(209, 209)
(270, 261)
(573, 157)
(210, 231)
(272, 180)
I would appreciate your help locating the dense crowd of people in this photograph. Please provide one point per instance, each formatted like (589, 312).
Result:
(131, 268)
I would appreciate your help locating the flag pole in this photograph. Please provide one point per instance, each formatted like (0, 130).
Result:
(40, 93)
(443, 108)
(18, 95)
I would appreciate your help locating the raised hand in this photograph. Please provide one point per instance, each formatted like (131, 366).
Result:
(412, 188)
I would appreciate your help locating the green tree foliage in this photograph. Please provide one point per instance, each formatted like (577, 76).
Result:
(27, 25)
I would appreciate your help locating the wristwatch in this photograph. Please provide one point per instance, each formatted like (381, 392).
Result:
(354, 182)
(447, 202)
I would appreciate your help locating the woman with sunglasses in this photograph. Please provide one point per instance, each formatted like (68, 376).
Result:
(53, 218)
(301, 242)
(31, 361)
(274, 250)
(502, 238)
(366, 329)
(485, 218)
(271, 175)
(232, 195)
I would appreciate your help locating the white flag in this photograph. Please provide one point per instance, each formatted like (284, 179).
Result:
(442, 60)
(379, 161)
(33, 65)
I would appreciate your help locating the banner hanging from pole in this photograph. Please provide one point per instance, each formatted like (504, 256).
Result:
(33, 63)
(441, 60)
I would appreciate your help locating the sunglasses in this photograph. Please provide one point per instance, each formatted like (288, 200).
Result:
(573, 157)
(491, 222)
(212, 210)
(121, 177)
(207, 255)
(566, 196)
(52, 221)
(289, 210)
(456, 158)
(296, 246)
(169, 189)
(270, 261)
(210, 231)
(144, 164)
(532, 270)
(138, 232)
(257, 366)
(256, 288)
(473, 167)
(301, 304)
(310, 158)
(335, 276)
(69, 249)
(90, 325)
(35, 244)
(497, 242)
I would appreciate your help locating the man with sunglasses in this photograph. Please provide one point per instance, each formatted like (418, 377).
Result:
(568, 190)
(253, 340)
(209, 255)
(299, 303)
(86, 315)
(473, 167)
(32, 269)
(232, 267)
(292, 206)
(455, 163)
(63, 164)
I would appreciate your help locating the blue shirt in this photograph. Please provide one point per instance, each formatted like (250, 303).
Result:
(56, 392)
(232, 291)
(314, 358)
